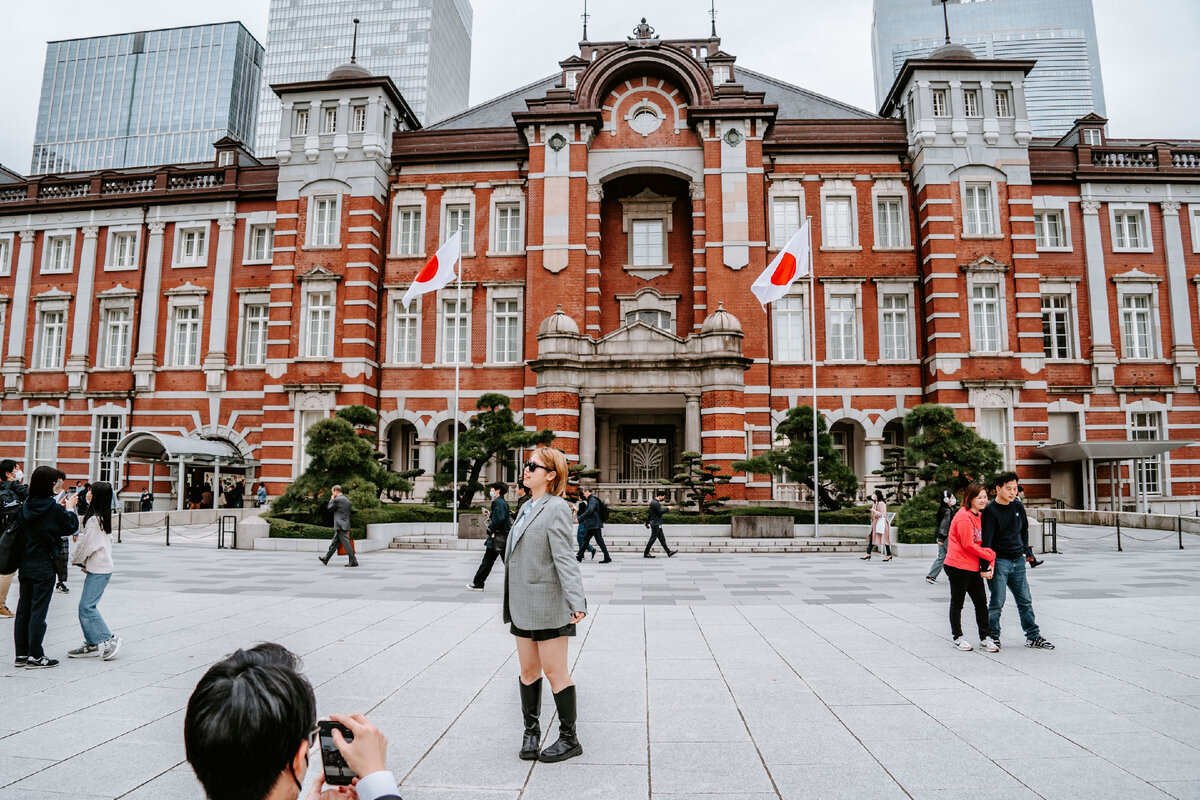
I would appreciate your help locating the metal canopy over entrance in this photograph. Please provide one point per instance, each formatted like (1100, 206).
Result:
(1091, 453)
(149, 447)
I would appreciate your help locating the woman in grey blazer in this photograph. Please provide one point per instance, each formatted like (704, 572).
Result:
(543, 601)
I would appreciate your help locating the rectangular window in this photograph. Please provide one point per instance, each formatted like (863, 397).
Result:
(896, 344)
(1057, 340)
(324, 224)
(977, 219)
(330, 124)
(1048, 225)
(941, 106)
(889, 221)
(842, 343)
(406, 334)
(785, 220)
(506, 331)
(124, 250)
(791, 329)
(301, 126)
(358, 119)
(319, 325)
(1091, 137)
(648, 242)
(108, 434)
(985, 317)
(192, 246)
(5, 256)
(1127, 230)
(455, 333)
(225, 158)
(408, 231)
(508, 228)
(971, 102)
(52, 331)
(1137, 327)
(117, 328)
(1147, 426)
(58, 254)
(43, 441)
(254, 337)
(187, 337)
(839, 230)
(993, 426)
(262, 242)
(458, 218)
(1003, 103)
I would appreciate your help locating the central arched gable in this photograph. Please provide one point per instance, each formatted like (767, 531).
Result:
(659, 61)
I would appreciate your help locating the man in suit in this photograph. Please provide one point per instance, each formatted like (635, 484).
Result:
(268, 760)
(592, 525)
(497, 535)
(340, 506)
(654, 523)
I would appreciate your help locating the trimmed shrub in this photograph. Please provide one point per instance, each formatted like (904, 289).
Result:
(854, 515)
(917, 535)
(298, 525)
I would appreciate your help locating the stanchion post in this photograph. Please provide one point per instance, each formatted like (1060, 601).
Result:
(1179, 529)
(118, 527)
(1119, 549)
(1054, 537)
(168, 516)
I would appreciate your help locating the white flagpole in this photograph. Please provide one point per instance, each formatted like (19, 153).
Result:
(454, 408)
(812, 303)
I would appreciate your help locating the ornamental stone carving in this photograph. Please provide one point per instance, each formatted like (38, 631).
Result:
(1090, 206)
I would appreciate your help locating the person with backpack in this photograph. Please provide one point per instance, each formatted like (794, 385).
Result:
(594, 515)
(498, 523)
(44, 523)
(12, 495)
(93, 554)
(580, 533)
(945, 514)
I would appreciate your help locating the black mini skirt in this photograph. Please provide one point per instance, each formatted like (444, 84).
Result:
(544, 635)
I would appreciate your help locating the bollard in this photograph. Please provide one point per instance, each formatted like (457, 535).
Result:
(118, 527)
(169, 530)
(1179, 529)
(1119, 550)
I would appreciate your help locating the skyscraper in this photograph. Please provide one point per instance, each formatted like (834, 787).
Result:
(1060, 34)
(424, 46)
(145, 98)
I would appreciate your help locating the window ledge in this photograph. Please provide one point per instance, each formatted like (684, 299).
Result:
(840, 248)
(407, 255)
(402, 365)
(896, 362)
(994, 354)
(182, 265)
(647, 271)
(899, 249)
(1065, 361)
(1132, 249)
(110, 370)
(1144, 361)
(503, 364)
(244, 367)
(802, 363)
(114, 268)
(978, 236)
(1063, 249)
(44, 371)
(313, 359)
(317, 247)
(504, 253)
(252, 262)
(843, 362)
(54, 272)
(173, 368)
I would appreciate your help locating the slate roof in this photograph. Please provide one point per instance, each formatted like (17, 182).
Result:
(497, 112)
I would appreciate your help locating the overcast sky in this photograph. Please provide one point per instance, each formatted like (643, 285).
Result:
(1148, 51)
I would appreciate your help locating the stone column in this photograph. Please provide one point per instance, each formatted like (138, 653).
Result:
(873, 456)
(283, 147)
(77, 360)
(14, 362)
(1104, 356)
(587, 429)
(604, 450)
(691, 422)
(216, 361)
(426, 460)
(1183, 352)
(146, 360)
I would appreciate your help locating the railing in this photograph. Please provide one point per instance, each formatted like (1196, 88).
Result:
(13, 194)
(127, 185)
(799, 493)
(1189, 160)
(55, 190)
(636, 494)
(198, 180)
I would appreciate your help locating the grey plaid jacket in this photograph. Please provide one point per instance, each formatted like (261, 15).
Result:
(543, 584)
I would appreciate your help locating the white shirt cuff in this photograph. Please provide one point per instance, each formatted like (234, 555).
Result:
(376, 785)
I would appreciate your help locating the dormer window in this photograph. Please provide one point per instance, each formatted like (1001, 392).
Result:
(721, 74)
(571, 79)
(1092, 137)
(225, 158)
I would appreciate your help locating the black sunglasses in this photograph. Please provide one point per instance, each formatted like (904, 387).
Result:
(530, 466)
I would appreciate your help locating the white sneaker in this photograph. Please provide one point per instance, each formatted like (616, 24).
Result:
(962, 644)
(110, 648)
(989, 645)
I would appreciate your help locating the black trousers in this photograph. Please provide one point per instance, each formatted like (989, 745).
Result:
(485, 567)
(964, 582)
(594, 533)
(30, 621)
(656, 534)
(883, 548)
(344, 538)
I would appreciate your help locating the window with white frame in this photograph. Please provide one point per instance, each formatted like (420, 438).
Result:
(58, 254)
(1058, 340)
(409, 233)
(458, 218)
(330, 123)
(506, 330)
(1137, 326)
(43, 441)
(6, 252)
(185, 336)
(985, 318)
(1048, 225)
(122, 250)
(839, 222)
(971, 102)
(456, 331)
(789, 316)
(262, 243)
(1129, 229)
(406, 333)
(841, 340)
(1195, 232)
(254, 333)
(192, 246)
(1147, 426)
(889, 222)
(508, 228)
(300, 125)
(50, 336)
(118, 329)
(108, 428)
(649, 240)
(318, 324)
(977, 209)
(358, 119)
(785, 220)
(225, 158)
(652, 317)
(1003, 103)
(993, 426)
(895, 330)
(941, 103)
(323, 226)
(1092, 137)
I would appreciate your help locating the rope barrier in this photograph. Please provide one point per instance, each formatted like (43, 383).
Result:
(161, 525)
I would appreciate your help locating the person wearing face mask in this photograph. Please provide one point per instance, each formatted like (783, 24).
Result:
(968, 564)
(945, 514)
(45, 523)
(12, 494)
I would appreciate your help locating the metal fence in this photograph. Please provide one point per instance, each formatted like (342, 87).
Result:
(160, 529)
(1080, 538)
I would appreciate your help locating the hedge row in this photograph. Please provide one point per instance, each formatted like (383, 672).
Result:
(918, 535)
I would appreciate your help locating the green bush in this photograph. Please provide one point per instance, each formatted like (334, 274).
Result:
(298, 525)
(853, 515)
(918, 535)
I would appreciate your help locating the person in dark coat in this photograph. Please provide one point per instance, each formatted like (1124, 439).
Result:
(12, 495)
(339, 504)
(592, 526)
(654, 523)
(499, 522)
(45, 523)
(146, 501)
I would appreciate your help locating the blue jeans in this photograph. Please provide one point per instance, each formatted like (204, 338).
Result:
(581, 537)
(94, 629)
(936, 569)
(1010, 575)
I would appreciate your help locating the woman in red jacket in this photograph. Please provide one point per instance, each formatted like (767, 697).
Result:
(964, 555)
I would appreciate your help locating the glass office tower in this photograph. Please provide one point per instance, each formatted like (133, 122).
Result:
(146, 98)
(424, 46)
(1060, 34)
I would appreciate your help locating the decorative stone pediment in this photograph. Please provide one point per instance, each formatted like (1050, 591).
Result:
(1135, 275)
(318, 273)
(188, 288)
(118, 291)
(985, 264)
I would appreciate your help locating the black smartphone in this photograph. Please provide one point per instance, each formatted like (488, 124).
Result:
(337, 772)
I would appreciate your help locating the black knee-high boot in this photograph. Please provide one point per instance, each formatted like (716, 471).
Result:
(567, 745)
(531, 708)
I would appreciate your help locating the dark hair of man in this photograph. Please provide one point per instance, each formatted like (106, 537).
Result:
(523, 488)
(1003, 478)
(7, 466)
(971, 492)
(41, 483)
(245, 722)
(660, 493)
(501, 487)
(101, 505)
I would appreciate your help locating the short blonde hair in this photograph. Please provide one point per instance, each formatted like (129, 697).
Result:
(556, 461)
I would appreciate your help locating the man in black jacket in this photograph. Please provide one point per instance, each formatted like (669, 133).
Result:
(339, 504)
(654, 523)
(12, 494)
(44, 522)
(592, 525)
(499, 522)
(1006, 530)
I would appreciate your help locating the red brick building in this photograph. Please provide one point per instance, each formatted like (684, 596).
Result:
(614, 217)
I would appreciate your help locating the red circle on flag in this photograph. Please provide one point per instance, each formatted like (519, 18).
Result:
(429, 270)
(785, 271)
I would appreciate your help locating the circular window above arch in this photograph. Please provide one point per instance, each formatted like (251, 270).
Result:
(645, 118)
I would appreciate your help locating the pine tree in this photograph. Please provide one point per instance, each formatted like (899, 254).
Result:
(839, 484)
(700, 481)
(895, 471)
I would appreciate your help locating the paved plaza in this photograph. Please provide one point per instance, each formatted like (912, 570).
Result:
(743, 677)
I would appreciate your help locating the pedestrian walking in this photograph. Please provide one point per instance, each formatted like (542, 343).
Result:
(45, 523)
(654, 523)
(881, 529)
(968, 563)
(593, 525)
(12, 495)
(945, 514)
(339, 504)
(498, 524)
(260, 497)
(146, 501)
(93, 554)
(543, 602)
(580, 533)
(1006, 530)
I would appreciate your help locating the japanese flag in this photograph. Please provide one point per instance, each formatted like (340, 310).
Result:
(794, 261)
(439, 270)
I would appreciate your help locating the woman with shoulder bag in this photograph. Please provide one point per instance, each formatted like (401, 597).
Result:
(964, 554)
(543, 601)
(945, 514)
(45, 523)
(93, 554)
(881, 529)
